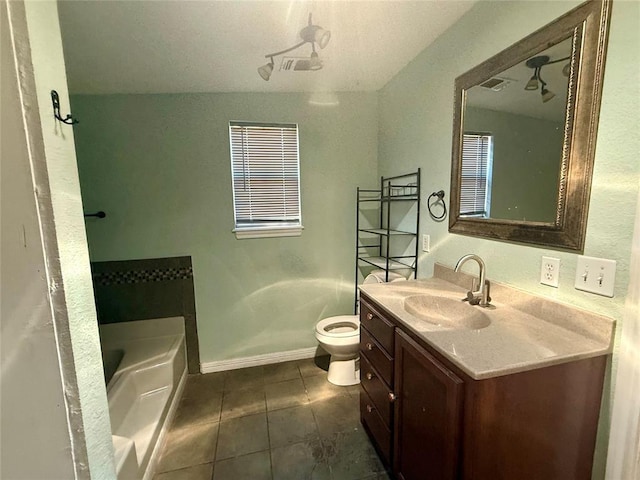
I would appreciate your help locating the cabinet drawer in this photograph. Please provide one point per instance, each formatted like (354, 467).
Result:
(380, 328)
(377, 390)
(378, 431)
(376, 355)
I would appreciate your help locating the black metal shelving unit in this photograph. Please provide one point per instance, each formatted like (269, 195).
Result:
(380, 253)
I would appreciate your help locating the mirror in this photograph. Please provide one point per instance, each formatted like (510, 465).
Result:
(525, 124)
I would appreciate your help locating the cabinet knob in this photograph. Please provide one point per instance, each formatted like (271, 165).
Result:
(369, 346)
(370, 408)
(392, 397)
(369, 316)
(370, 376)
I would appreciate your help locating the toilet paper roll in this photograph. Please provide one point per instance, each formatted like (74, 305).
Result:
(371, 279)
(378, 276)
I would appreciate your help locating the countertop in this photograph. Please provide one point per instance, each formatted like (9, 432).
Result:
(524, 331)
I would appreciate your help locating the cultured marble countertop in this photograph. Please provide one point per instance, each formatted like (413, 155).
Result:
(522, 331)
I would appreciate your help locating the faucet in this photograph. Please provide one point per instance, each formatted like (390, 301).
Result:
(481, 296)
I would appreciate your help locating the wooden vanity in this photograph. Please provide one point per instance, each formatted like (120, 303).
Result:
(431, 419)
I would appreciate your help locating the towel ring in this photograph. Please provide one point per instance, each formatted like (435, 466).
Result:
(440, 197)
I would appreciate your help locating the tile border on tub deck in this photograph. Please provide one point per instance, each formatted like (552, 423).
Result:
(142, 276)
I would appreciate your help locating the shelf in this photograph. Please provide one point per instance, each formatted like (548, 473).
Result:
(381, 262)
(373, 245)
(385, 232)
(392, 198)
(375, 207)
(369, 195)
(400, 198)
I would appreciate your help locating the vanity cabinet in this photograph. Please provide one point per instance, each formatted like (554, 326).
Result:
(428, 412)
(428, 419)
(376, 379)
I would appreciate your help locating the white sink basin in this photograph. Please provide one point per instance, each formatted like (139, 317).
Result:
(446, 312)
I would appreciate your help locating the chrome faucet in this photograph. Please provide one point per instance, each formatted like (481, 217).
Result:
(481, 296)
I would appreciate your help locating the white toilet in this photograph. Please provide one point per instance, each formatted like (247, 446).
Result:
(340, 337)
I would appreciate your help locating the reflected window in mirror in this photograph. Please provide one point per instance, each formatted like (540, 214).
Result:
(475, 185)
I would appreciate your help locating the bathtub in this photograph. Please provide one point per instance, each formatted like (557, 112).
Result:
(145, 369)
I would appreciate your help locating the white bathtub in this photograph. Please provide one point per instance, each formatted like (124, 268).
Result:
(144, 390)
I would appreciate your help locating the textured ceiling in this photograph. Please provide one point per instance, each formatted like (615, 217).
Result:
(216, 46)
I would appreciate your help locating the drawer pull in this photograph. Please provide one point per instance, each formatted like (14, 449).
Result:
(370, 376)
(392, 397)
(369, 346)
(369, 316)
(370, 408)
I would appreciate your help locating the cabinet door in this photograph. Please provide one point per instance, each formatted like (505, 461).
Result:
(428, 412)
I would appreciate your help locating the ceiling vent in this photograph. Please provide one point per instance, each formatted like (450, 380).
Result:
(497, 83)
(299, 64)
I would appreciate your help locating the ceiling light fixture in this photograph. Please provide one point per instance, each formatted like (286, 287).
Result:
(312, 34)
(536, 63)
(546, 94)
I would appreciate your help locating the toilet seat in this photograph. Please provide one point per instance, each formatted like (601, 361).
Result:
(342, 326)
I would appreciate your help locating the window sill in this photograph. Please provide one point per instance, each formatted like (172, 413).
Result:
(268, 232)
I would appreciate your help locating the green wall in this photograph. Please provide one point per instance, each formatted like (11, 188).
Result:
(159, 166)
(416, 118)
(526, 163)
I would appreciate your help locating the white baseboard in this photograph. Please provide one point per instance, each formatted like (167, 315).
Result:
(266, 359)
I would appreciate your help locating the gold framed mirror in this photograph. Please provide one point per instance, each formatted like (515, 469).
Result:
(524, 132)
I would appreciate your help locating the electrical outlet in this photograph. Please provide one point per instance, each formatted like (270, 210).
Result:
(426, 241)
(550, 271)
(596, 275)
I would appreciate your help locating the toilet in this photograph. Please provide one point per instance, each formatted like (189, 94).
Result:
(340, 337)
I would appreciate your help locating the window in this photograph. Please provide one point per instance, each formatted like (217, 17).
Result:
(265, 171)
(475, 188)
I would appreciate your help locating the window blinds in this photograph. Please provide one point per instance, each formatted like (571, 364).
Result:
(476, 163)
(265, 174)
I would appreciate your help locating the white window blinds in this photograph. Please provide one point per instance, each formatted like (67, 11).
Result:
(266, 175)
(476, 174)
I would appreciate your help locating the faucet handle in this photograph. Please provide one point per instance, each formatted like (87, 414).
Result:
(487, 286)
(471, 298)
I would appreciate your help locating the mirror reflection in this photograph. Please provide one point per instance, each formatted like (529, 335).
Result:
(513, 137)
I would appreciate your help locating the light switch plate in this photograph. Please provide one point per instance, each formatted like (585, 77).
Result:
(426, 241)
(550, 271)
(596, 275)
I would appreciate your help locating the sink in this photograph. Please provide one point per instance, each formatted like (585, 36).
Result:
(446, 312)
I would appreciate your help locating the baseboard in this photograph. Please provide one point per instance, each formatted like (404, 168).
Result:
(266, 359)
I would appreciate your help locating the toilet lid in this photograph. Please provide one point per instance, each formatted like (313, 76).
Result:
(340, 326)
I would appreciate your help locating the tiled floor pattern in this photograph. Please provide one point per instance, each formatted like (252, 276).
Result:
(277, 422)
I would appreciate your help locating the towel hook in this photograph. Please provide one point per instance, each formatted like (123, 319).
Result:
(55, 99)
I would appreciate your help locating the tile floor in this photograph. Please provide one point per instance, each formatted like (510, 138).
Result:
(276, 422)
